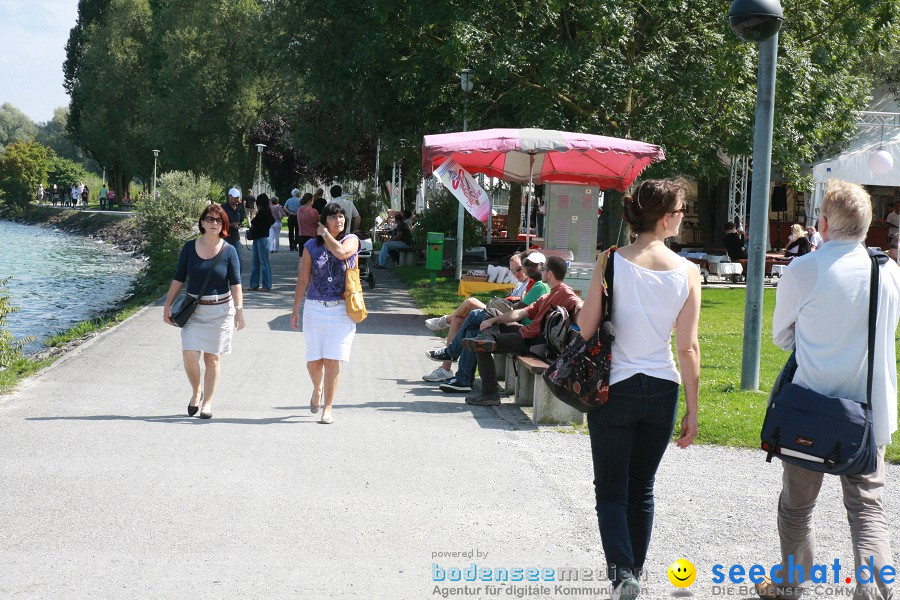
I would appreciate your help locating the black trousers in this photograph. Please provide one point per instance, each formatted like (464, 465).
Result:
(292, 231)
(301, 241)
(508, 342)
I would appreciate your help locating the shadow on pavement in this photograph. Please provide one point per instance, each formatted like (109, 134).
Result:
(184, 420)
(506, 416)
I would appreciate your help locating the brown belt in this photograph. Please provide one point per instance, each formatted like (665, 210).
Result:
(212, 302)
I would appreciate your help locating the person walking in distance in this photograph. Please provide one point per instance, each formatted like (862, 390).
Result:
(307, 221)
(319, 201)
(291, 206)
(275, 230)
(353, 216)
(235, 211)
(260, 229)
(250, 204)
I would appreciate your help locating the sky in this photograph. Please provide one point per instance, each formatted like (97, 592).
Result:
(33, 36)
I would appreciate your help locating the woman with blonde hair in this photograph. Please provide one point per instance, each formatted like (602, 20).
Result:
(798, 243)
(655, 291)
(320, 285)
(220, 309)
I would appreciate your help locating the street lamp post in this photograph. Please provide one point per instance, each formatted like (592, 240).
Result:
(466, 83)
(259, 149)
(758, 21)
(153, 187)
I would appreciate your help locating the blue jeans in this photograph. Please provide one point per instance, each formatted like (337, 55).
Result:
(471, 327)
(236, 242)
(387, 247)
(261, 264)
(629, 435)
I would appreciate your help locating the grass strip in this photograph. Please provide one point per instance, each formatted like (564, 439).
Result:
(728, 416)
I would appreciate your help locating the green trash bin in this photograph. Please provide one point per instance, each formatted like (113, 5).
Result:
(434, 254)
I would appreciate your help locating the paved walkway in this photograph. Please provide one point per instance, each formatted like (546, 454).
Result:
(108, 490)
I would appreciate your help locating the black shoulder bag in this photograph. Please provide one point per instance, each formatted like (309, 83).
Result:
(184, 306)
(580, 376)
(818, 432)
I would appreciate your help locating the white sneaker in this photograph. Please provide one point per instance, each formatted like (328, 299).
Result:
(438, 323)
(439, 375)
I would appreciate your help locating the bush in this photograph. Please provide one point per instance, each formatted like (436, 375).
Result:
(64, 173)
(10, 347)
(370, 204)
(171, 220)
(23, 166)
(441, 217)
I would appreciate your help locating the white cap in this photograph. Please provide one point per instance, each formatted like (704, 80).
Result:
(536, 258)
(234, 193)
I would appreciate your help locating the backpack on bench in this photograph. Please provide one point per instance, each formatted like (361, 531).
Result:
(556, 329)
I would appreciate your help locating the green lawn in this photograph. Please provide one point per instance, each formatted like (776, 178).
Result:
(728, 415)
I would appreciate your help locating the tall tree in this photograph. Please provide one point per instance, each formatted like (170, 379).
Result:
(15, 126)
(109, 109)
(214, 79)
(89, 13)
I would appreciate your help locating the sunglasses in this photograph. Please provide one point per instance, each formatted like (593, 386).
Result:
(517, 269)
(212, 220)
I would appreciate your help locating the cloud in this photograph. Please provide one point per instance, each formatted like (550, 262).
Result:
(34, 34)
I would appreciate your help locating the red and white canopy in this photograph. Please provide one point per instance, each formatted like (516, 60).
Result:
(549, 156)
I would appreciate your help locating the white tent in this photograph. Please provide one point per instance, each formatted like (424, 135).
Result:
(853, 163)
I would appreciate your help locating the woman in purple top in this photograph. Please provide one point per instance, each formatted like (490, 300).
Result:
(326, 326)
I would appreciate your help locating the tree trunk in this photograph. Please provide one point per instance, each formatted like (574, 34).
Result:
(614, 230)
(120, 182)
(247, 163)
(514, 213)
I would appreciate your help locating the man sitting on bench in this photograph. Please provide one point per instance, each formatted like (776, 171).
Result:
(520, 339)
(465, 372)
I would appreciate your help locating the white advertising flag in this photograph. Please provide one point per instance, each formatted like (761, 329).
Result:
(461, 183)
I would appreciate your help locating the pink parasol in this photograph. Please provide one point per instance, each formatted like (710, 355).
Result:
(540, 155)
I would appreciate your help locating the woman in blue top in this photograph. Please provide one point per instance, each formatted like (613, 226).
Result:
(326, 326)
(220, 310)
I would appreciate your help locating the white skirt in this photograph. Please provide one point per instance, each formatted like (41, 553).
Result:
(328, 331)
(210, 328)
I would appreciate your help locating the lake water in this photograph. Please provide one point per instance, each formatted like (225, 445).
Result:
(59, 279)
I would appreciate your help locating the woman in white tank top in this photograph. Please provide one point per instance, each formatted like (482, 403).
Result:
(654, 292)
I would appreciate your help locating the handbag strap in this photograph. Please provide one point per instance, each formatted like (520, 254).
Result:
(211, 269)
(873, 316)
(608, 275)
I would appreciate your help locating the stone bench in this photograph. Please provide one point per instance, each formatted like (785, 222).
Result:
(531, 390)
(406, 257)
